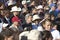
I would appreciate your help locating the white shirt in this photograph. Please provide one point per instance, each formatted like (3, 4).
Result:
(55, 34)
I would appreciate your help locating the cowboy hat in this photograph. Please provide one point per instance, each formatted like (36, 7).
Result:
(35, 17)
(15, 8)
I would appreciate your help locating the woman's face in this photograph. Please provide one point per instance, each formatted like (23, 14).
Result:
(47, 25)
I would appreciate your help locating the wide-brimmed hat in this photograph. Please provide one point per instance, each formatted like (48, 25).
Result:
(15, 8)
(35, 17)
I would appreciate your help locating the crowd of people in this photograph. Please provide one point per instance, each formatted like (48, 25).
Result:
(29, 19)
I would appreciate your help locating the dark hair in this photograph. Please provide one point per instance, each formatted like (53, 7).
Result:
(24, 38)
(1, 3)
(47, 35)
(7, 33)
(1, 36)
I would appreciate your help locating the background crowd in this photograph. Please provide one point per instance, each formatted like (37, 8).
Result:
(29, 19)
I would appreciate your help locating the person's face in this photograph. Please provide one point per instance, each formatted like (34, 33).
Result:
(15, 13)
(7, 15)
(53, 8)
(34, 11)
(9, 38)
(48, 38)
(33, 3)
(52, 18)
(2, 13)
(59, 7)
(29, 19)
(47, 25)
(58, 15)
(16, 23)
(47, 16)
(2, 7)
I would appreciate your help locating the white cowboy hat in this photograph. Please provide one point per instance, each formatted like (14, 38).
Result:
(35, 17)
(39, 7)
(24, 2)
(15, 8)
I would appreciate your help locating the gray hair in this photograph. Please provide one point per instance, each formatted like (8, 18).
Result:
(27, 16)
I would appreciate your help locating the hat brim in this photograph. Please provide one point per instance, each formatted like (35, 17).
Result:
(15, 10)
(36, 19)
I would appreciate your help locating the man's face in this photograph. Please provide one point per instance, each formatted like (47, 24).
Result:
(53, 8)
(34, 11)
(15, 13)
(47, 25)
(16, 23)
(30, 19)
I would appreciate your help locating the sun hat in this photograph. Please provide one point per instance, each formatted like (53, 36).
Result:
(35, 17)
(15, 8)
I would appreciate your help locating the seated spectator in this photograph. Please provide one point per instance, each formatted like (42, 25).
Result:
(34, 11)
(1, 6)
(6, 18)
(28, 24)
(53, 11)
(52, 18)
(58, 21)
(40, 11)
(47, 16)
(15, 10)
(35, 25)
(47, 25)
(16, 27)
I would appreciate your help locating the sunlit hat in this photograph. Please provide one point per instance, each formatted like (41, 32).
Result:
(15, 8)
(35, 17)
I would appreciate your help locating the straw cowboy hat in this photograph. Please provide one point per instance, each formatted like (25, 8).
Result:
(35, 17)
(15, 8)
